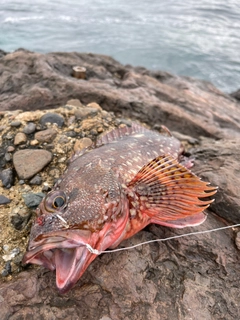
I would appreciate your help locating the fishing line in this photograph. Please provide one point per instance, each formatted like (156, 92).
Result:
(88, 246)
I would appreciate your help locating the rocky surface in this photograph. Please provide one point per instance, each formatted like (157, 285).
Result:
(196, 277)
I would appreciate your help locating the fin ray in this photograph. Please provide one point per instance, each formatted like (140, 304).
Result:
(168, 191)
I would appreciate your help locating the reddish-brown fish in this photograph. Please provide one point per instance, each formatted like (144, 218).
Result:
(130, 179)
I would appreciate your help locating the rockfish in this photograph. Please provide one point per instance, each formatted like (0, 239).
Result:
(131, 177)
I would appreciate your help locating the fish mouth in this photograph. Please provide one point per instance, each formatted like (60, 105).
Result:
(65, 252)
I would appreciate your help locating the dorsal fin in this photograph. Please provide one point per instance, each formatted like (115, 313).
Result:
(118, 133)
(168, 192)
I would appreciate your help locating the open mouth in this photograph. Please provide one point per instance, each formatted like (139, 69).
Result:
(67, 253)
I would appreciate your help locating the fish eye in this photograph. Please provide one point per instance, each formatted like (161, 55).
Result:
(58, 202)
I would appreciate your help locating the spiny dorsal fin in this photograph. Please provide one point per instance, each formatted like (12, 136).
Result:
(168, 192)
(118, 133)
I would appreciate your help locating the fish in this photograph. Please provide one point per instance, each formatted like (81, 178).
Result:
(129, 178)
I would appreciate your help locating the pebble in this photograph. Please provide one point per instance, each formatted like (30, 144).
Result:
(7, 269)
(29, 162)
(10, 149)
(37, 180)
(32, 200)
(74, 103)
(20, 138)
(51, 117)
(9, 256)
(29, 128)
(20, 218)
(8, 156)
(82, 144)
(82, 113)
(4, 200)
(46, 135)
(16, 123)
(7, 178)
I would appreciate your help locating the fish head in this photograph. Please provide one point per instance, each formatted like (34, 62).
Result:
(86, 207)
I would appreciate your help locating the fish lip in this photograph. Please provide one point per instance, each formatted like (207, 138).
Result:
(51, 241)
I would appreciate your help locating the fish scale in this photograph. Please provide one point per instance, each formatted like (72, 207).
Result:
(132, 177)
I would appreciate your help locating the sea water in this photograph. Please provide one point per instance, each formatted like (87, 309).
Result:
(194, 38)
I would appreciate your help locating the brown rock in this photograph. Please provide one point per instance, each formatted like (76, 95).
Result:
(196, 277)
(20, 138)
(82, 144)
(47, 135)
(29, 162)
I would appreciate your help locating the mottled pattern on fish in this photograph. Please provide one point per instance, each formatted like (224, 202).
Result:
(130, 179)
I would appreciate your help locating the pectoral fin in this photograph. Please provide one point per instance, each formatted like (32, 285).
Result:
(170, 194)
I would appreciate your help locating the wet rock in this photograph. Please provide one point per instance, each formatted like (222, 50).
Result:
(20, 138)
(29, 162)
(7, 177)
(4, 200)
(47, 135)
(52, 118)
(37, 180)
(29, 128)
(32, 200)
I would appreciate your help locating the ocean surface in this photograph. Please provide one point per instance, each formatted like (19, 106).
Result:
(194, 38)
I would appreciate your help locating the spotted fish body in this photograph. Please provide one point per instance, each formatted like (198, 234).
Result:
(108, 193)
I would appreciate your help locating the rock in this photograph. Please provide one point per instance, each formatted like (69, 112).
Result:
(47, 135)
(85, 112)
(10, 149)
(7, 177)
(52, 118)
(32, 200)
(19, 218)
(37, 180)
(4, 200)
(82, 144)
(237, 240)
(29, 162)
(195, 277)
(16, 123)
(29, 128)
(20, 138)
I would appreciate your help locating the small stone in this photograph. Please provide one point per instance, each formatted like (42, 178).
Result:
(82, 113)
(51, 117)
(9, 256)
(37, 180)
(47, 135)
(95, 106)
(34, 142)
(20, 218)
(20, 138)
(71, 134)
(10, 149)
(29, 128)
(7, 269)
(74, 103)
(7, 177)
(32, 200)
(2, 128)
(21, 182)
(16, 123)
(29, 162)
(4, 200)
(8, 156)
(82, 144)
